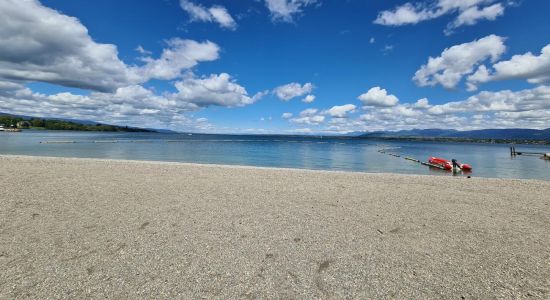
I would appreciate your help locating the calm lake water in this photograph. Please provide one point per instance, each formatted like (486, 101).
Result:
(487, 160)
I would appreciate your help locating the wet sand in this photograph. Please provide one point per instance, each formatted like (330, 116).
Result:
(83, 228)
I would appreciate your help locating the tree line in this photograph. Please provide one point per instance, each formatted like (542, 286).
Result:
(52, 124)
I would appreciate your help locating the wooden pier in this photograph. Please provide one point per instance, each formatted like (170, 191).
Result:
(514, 153)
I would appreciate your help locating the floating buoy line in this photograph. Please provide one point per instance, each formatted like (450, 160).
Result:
(385, 151)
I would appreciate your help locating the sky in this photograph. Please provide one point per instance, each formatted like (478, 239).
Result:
(279, 66)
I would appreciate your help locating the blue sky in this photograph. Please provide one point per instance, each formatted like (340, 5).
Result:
(248, 66)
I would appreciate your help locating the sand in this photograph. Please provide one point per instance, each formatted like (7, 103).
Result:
(84, 228)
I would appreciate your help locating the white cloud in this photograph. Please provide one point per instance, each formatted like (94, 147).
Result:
(179, 56)
(40, 44)
(422, 103)
(218, 14)
(377, 96)
(529, 108)
(310, 116)
(218, 90)
(142, 50)
(308, 112)
(133, 105)
(292, 90)
(308, 99)
(286, 115)
(221, 16)
(502, 101)
(481, 75)
(310, 120)
(341, 111)
(403, 15)
(372, 40)
(6, 86)
(458, 61)
(471, 15)
(533, 68)
(469, 12)
(285, 10)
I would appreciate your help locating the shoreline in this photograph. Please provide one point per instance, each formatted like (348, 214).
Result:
(95, 228)
(162, 162)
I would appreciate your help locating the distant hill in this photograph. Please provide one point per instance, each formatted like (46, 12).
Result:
(484, 134)
(65, 124)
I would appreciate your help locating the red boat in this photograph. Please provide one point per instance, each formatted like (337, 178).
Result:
(448, 165)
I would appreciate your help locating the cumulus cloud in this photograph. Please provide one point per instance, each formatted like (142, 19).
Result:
(377, 96)
(481, 75)
(501, 101)
(533, 68)
(218, 90)
(6, 86)
(422, 103)
(529, 108)
(127, 106)
(308, 112)
(308, 99)
(179, 56)
(285, 10)
(468, 12)
(218, 14)
(292, 90)
(286, 115)
(457, 61)
(309, 120)
(472, 14)
(310, 116)
(40, 44)
(132, 105)
(341, 111)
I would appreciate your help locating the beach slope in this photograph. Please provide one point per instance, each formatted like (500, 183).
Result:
(83, 228)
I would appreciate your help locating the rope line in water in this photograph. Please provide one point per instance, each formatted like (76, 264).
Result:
(383, 151)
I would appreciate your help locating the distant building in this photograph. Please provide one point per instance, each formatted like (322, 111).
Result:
(23, 124)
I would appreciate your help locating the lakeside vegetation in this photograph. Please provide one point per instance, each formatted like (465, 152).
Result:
(52, 124)
(461, 140)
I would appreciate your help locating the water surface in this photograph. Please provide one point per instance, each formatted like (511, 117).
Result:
(488, 160)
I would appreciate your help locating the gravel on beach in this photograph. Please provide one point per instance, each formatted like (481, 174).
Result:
(85, 228)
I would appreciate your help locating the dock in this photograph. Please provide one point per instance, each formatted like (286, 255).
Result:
(514, 153)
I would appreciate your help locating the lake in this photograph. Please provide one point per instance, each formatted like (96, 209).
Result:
(487, 160)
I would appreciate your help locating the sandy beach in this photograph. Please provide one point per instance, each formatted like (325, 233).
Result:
(84, 228)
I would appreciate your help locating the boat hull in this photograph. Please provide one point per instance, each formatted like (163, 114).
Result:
(448, 165)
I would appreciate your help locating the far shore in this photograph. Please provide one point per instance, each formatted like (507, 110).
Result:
(91, 228)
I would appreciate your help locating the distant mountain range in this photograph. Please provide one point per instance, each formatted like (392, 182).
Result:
(484, 134)
(512, 134)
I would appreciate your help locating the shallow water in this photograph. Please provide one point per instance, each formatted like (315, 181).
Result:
(488, 160)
